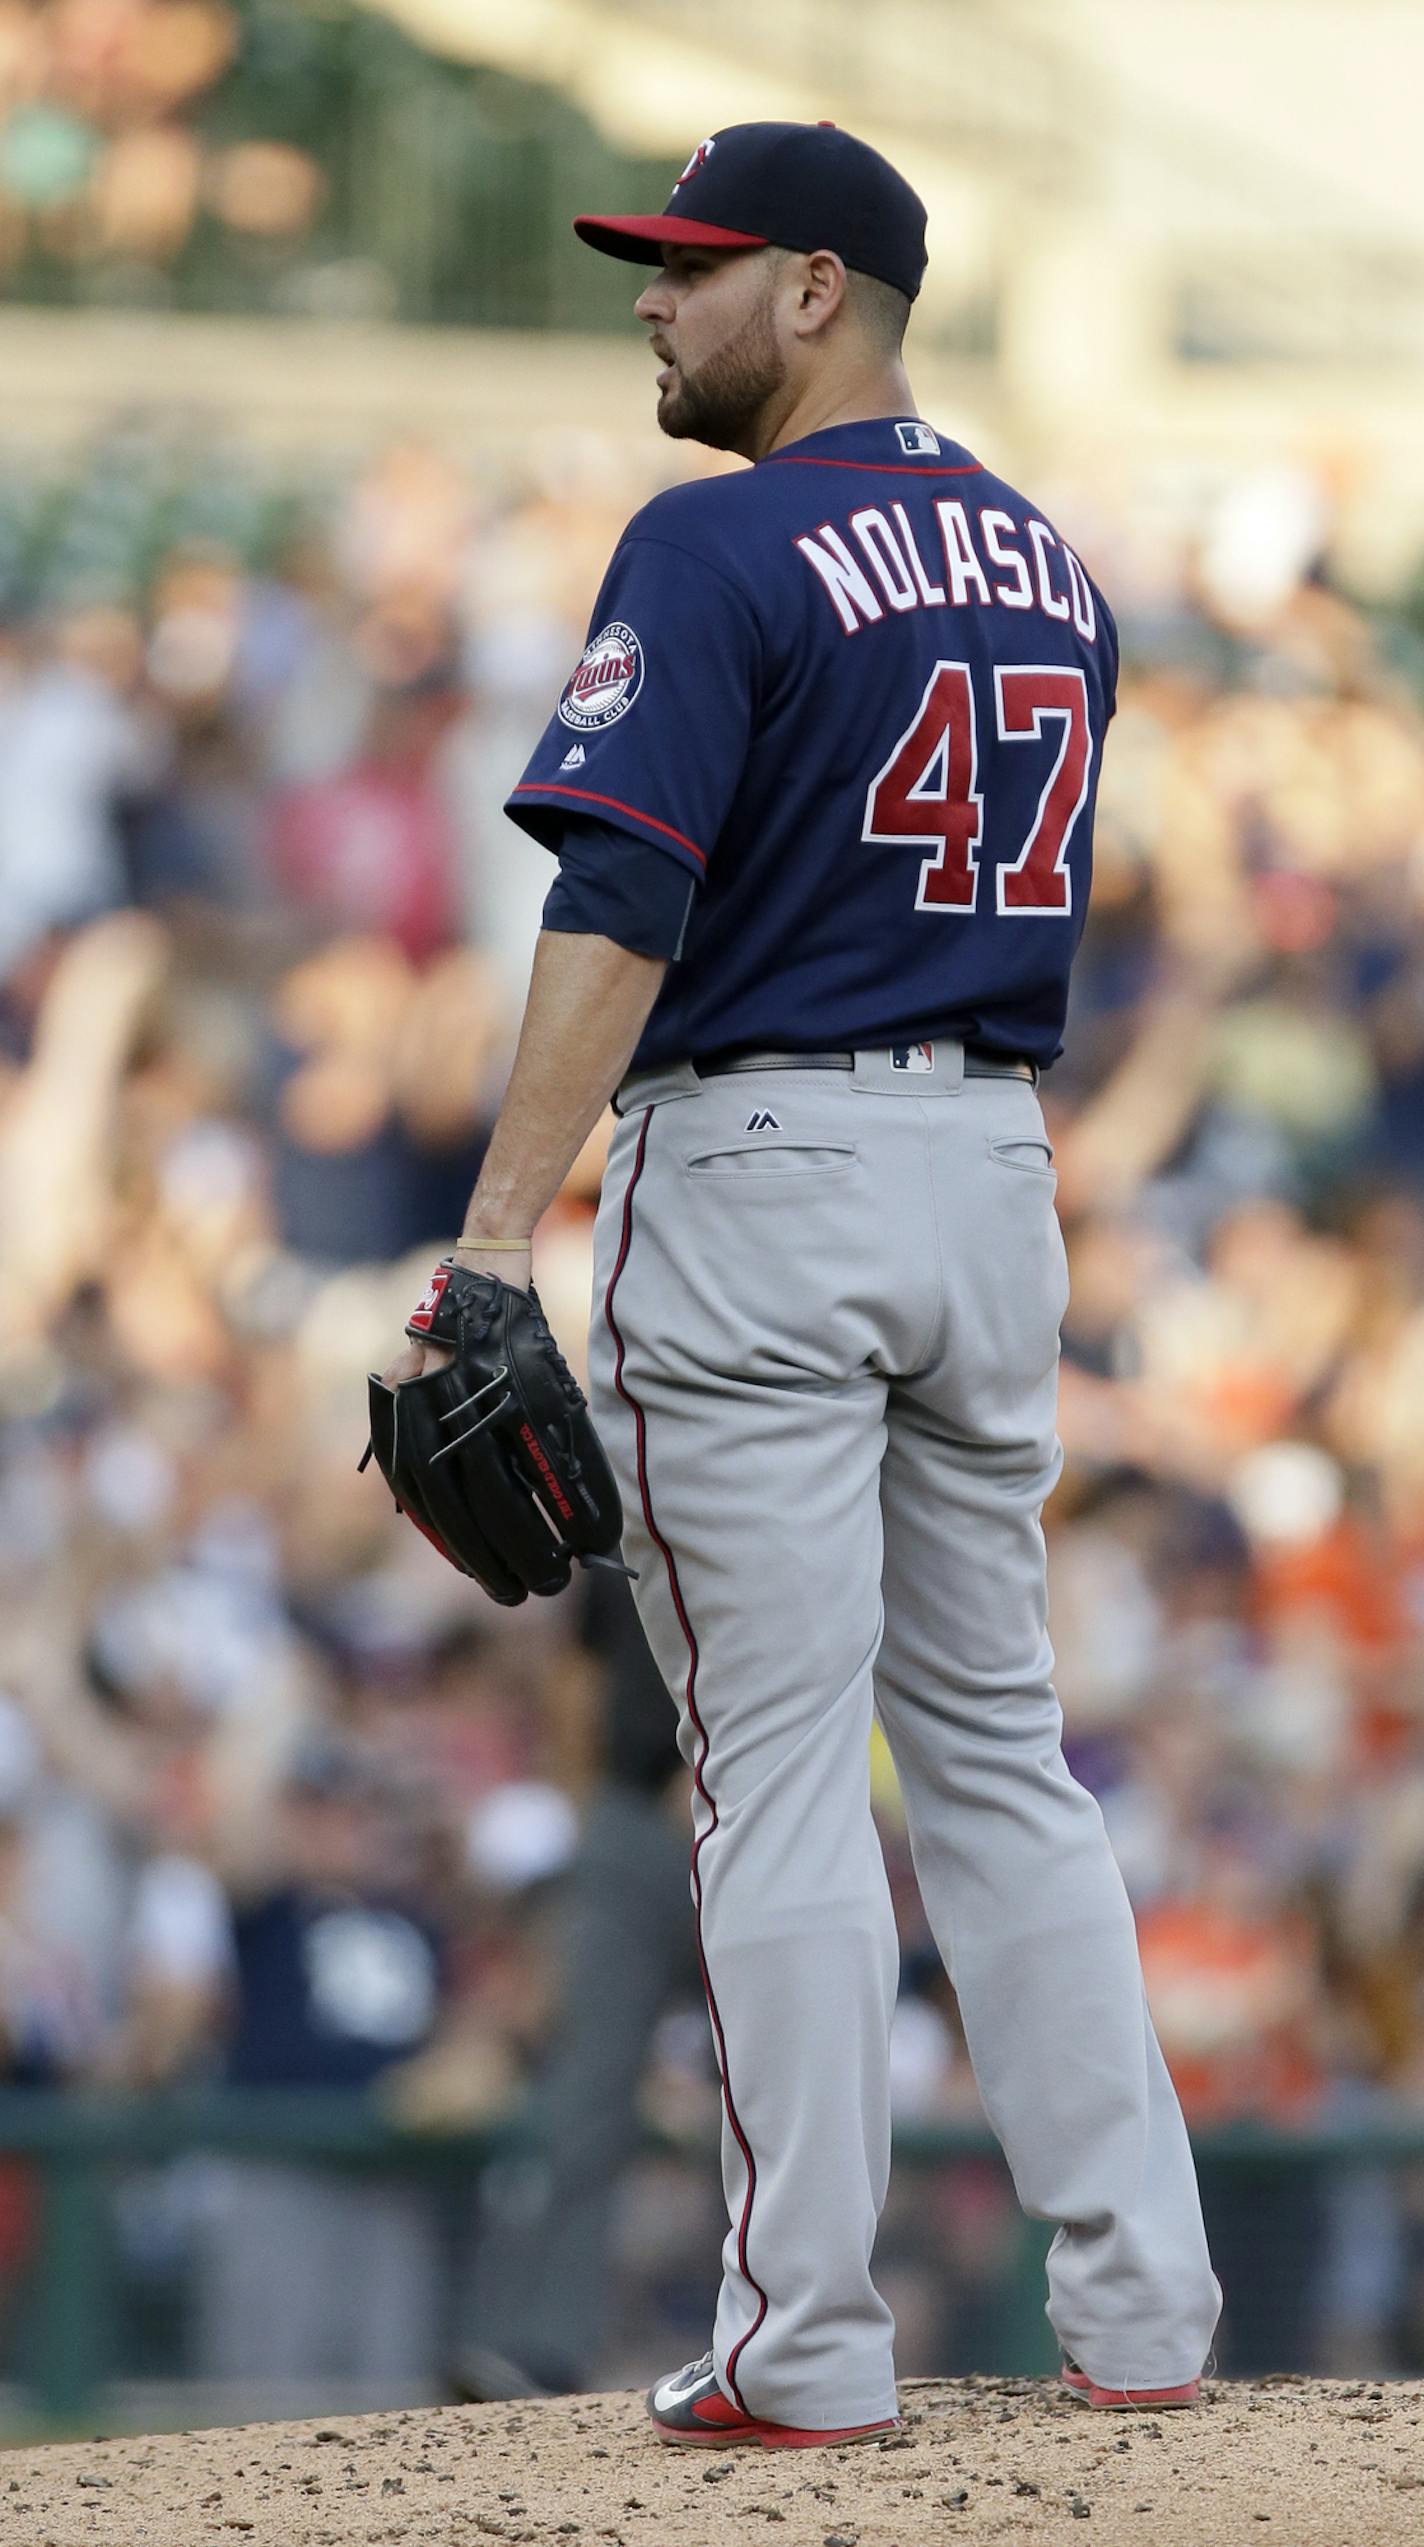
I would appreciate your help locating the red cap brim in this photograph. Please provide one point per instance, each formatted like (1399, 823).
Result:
(640, 239)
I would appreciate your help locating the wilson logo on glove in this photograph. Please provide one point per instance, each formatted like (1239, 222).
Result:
(536, 1452)
(493, 1455)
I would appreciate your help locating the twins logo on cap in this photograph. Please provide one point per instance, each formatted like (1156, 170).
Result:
(702, 153)
(606, 679)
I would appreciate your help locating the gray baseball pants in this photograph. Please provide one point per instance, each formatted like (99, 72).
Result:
(824, 1359)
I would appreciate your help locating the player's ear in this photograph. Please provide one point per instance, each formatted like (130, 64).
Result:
(820, 291)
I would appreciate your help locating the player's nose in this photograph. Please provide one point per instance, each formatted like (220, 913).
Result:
(654, 302)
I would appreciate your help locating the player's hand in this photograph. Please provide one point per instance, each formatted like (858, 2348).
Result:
(412, 1359)
(509, 1264)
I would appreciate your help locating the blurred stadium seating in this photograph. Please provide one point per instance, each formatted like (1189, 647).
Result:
(263, 938)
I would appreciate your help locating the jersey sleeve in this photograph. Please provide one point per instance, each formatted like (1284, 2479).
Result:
(614, 884)
(652, 728)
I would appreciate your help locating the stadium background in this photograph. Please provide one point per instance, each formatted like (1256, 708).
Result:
(317, 429)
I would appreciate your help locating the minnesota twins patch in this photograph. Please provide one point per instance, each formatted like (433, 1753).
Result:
(605, 681)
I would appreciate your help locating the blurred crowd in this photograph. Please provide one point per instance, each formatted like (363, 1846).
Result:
(283, 1801)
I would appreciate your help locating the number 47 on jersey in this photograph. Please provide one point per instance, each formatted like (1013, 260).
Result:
(928, 789)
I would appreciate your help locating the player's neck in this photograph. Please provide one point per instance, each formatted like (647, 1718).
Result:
(854, 397)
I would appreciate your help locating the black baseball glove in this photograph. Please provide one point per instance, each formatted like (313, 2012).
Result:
(493, 1455)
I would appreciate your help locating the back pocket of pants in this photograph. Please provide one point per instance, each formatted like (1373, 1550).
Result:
(1033, 1156)
(759, 1159)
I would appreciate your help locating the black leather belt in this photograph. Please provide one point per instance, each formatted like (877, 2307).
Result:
(980, 1062)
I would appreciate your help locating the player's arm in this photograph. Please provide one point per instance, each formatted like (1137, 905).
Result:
(590, 996)
(589, 1000)
(613, 921)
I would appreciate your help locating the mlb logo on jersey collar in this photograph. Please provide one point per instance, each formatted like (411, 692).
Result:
(918, 441)
(913, 1057)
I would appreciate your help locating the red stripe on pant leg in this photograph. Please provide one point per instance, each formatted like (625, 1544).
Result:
(700, 1764)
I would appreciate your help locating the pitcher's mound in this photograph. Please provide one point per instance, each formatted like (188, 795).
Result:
(1303, 2463)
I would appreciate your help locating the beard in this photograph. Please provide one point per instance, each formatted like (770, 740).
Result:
(719, 401)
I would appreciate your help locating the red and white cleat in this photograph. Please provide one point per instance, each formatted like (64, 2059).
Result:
(690, 2409)
(1126, 2400)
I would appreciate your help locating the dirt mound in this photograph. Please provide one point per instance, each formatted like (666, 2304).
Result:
(1303, 2463)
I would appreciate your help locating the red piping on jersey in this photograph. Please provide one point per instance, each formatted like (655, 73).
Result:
(877, 468)
(699, 1771)
(541, 787)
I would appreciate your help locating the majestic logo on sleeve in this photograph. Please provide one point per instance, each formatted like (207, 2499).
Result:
(605, 681)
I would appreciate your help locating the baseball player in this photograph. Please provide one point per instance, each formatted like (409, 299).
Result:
(821, 791)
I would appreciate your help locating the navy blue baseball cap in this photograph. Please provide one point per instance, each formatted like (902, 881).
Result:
(803, 186)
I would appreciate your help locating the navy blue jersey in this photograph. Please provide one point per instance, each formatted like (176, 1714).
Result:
(859, 692)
